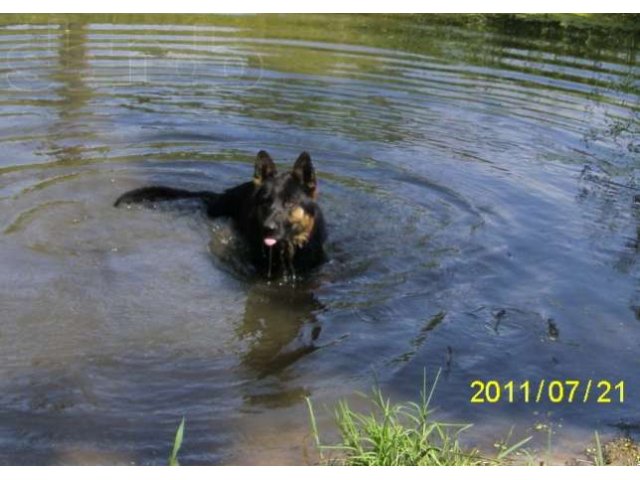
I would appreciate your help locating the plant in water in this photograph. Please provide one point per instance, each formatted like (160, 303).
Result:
(177, 443)
(400, 434)
(598, 458)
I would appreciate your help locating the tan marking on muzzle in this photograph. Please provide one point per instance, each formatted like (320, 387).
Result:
(302, 224)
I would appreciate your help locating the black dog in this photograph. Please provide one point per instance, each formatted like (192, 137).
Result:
(276, 214)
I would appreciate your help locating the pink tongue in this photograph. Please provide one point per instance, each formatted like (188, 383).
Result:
(270, 242)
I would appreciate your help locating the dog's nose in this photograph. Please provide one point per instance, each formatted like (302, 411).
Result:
(270, 227)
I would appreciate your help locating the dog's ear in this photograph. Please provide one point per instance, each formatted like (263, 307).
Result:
(264, 168)
(304, 173)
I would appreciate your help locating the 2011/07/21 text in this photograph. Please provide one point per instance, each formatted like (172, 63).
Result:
(555, 391)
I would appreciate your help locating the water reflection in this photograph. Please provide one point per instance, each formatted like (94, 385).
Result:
(279, 327)
(72, 130)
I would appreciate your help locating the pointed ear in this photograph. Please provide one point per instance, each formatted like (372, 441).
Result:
(264, 168)
(304, 173)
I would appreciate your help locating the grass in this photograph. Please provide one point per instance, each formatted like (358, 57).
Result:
(621, 451)
(598, 458)
(177, 443)
(401, 434)
(408, 435)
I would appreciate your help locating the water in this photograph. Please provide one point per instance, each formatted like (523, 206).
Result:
(478, 185)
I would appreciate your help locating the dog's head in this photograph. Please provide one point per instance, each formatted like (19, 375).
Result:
(285, 203)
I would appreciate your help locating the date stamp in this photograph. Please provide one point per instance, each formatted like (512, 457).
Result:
(554, 391)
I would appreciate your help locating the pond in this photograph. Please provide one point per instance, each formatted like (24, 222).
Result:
(478, 181)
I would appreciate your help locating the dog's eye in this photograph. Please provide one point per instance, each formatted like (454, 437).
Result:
(264, 199)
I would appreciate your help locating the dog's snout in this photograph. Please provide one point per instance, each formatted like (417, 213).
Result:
(270, 226)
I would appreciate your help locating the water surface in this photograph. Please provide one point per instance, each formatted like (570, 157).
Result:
(478, 184)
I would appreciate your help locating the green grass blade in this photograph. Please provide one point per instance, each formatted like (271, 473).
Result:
(599, 459)
(508, 451)
(177, 443)
(433, 387)
(312, 419)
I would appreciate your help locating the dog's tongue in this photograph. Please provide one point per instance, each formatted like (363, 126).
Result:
(269, 241)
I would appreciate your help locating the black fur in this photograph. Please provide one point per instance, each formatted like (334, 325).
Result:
(157, 194)
(272, 208)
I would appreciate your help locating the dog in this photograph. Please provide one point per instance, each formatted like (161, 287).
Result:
(276, 214)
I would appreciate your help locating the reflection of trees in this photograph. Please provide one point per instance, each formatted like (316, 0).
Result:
(612, 212)
(72, 56)
(485, 40)
(609, 182)
(73, 94)
(352, 106)
(568, 34)
(626, 130)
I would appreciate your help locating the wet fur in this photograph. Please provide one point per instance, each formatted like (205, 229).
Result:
(274, 205)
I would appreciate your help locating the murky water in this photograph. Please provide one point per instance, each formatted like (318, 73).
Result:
(478, 186)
